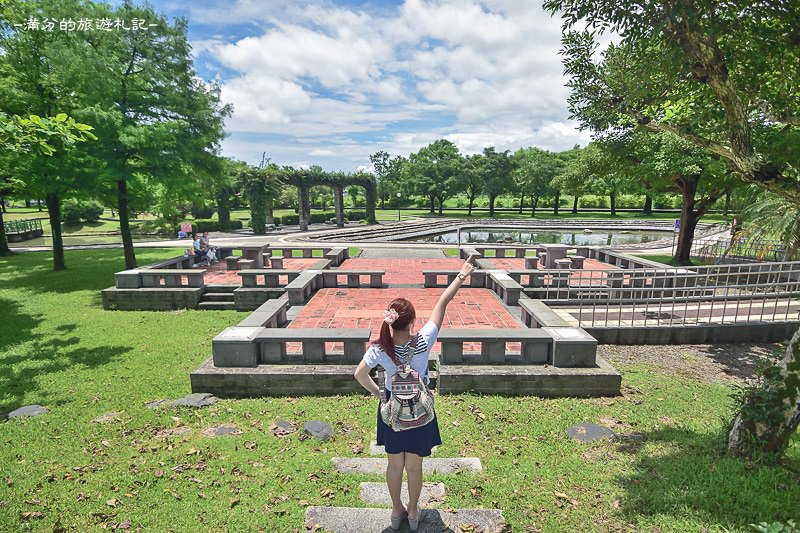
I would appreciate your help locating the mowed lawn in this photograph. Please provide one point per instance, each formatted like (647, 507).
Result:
(60, 349)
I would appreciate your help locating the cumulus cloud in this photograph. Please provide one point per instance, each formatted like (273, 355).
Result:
(338, 83)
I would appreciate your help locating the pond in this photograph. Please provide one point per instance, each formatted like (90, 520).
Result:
(574, 238)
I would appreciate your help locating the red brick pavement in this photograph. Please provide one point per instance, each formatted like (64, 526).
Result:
(404, 271)
(363, 308)
(593, 272)
(217, 275)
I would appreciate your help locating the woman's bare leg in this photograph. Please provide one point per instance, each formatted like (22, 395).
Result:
(413, 465)
(394, 480)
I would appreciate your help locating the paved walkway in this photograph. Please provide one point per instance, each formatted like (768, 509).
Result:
(401, 253)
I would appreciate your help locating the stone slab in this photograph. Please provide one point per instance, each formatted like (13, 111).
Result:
(318, 429)
(356, 465)
(589, 432)
(27, 411)
(106, 418)
(374, 449)
(359, 520)
(197, 399)
(222, 430)
(378, 493)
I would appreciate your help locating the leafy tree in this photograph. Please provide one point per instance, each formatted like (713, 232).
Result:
(534, 170)
(435, 172)
(723, 77)
(473, 178)
(578, 174)
(388, 174)
(768, 216)
(497, 174)
(260, 187)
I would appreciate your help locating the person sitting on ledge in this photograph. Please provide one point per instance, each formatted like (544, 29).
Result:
(206, 255)
(406, 448)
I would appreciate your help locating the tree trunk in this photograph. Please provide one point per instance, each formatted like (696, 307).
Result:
(471, 204)
(771, 413)
(39, 202)
(3, 205)
(575, 205)
(269, 215)
(54, 212)
(28, 203)
(534, 203)
(124, 224)
(383, 202)
(648, 205)
(433, 204)
(558, 201)
(441, 205)
(371, 196)
(338, 205)
(491, 205)
(303, 209)
(224, 209)
(727, 202)
(4, 249)
(683, 250)
(613, 200)
(521, 201)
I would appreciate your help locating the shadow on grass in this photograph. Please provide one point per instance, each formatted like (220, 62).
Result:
(686, 476)
(24, 371)
(86, 270)
(742, 360)
(17, 326)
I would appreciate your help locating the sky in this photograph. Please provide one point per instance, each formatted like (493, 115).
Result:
(328, 83)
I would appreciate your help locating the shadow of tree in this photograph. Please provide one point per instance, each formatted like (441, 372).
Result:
(686, 476)
(17, 326)
(23, 372)
(742, 360)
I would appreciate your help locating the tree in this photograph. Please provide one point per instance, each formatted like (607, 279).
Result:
(578, 174)
(497, 174)
(260, 187)
(37, 137)
(722, 76)
(472, 178)
(534, 170)
(435, 171)
(388, 174)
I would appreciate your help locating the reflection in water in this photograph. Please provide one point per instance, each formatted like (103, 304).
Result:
(572, 238)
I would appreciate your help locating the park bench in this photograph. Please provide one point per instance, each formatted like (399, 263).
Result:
(272, 344)
(536, 346)
(270, 276)
(330, 278)
(505, 287)
(536, 314)
(476, 279)
(270, 314)
(151, 277)
(302, 287)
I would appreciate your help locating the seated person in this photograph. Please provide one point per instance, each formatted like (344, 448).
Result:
(205, 254)
(205, 241)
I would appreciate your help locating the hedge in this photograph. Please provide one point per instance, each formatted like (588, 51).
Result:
(199, 226)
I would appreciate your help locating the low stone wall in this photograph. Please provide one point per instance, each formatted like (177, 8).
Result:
(151, 299)
(702, 334)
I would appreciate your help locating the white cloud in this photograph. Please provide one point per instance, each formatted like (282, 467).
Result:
(340, 83)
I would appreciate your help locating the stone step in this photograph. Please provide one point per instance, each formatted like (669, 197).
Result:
(364, 520)
(454, 465)
(222, 288)
(378, 494)
(218, 297)
(374, 449)
(217, 306)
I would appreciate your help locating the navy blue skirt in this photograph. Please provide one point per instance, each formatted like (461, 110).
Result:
(418, 440)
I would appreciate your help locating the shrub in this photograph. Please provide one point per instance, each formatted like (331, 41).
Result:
(356, 215)
(71, 212)
(200, 212)
(199, 226)
(290, 220)
(91, 211)
(321, 217)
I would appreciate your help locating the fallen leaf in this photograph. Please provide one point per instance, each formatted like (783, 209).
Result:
(30, 515)
(561, 495)
(304, 503)
(81, 496)
(105, 443)
(112, 502)
(234, 502)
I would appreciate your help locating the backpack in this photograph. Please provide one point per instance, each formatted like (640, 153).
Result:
(411, 404)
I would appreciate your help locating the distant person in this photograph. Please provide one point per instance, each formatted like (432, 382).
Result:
(403, 348)
(205, 241)
(205, 254)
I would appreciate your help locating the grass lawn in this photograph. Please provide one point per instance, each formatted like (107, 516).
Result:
(60, 349)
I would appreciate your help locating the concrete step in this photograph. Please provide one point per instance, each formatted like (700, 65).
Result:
(378, 494)
(454, 465)
(218, 297)
(374, 449)
(217, 306)
(222, 288)
(364, 520)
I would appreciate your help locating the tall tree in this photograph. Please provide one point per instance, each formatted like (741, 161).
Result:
(435, 172)
(472, 178)
(722, 76)
(534, 170)
(498, 168)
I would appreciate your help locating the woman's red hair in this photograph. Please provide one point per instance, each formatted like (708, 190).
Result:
(406, 315)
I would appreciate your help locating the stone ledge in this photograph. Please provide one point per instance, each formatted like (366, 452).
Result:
(375, 465)
(360, 520)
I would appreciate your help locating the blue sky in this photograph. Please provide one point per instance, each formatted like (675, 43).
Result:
(331, 82)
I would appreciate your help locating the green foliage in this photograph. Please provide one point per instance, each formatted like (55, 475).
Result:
(776, 527)
(289, 220)
(772, 217)
(199, 226)
(71, 212)
(355, 215)
(202, 211)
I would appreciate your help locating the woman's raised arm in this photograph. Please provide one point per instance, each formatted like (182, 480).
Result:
(437, 316)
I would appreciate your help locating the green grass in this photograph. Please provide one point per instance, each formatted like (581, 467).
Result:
(60, 349)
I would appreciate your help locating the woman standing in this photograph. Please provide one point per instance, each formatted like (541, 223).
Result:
(406, 449)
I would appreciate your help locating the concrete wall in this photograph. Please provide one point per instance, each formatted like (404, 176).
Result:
(709, 334)
(151, 299)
